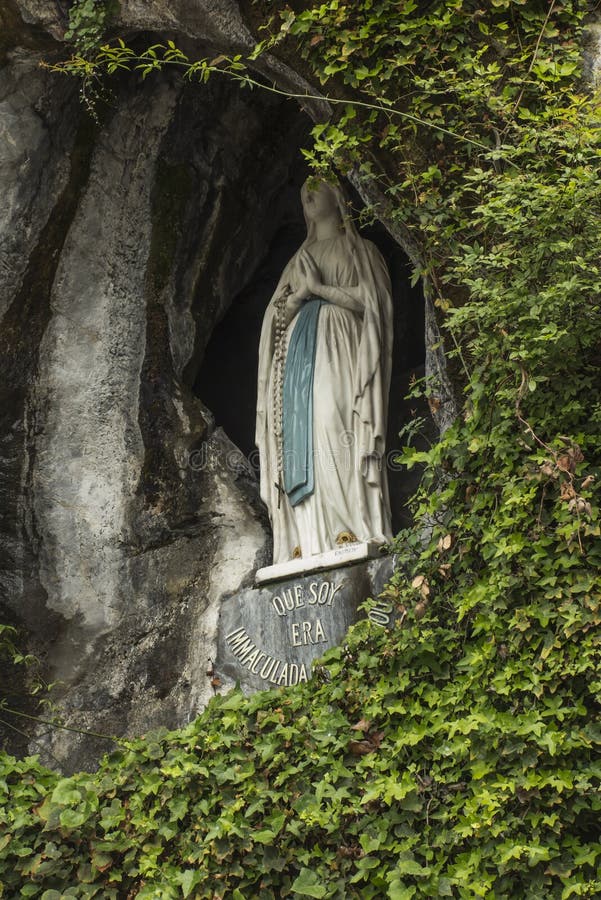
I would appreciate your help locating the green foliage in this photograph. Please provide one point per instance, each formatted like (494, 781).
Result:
(88, 20)
(19, 677)
(456, 754)
(9, 649)
(431, 762)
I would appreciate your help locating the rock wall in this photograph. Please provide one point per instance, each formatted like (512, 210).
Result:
(42, 162)
(592, 51)
(126, 514)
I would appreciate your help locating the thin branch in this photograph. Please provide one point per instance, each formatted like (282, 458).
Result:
(32, 740)
(108, 737)
(527, 426)
(360, 103)
(143, 62)
(533, 60)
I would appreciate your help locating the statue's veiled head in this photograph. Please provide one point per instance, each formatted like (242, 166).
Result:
(320, 200)
(323, 200)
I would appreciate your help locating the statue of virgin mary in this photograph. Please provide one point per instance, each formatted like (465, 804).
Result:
(324, 375)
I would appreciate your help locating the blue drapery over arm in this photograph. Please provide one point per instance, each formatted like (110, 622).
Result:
(297, 404)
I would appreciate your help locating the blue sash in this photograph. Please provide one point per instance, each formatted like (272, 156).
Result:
(297, 404)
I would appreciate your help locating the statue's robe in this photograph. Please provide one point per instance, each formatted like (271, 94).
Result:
(351, 379)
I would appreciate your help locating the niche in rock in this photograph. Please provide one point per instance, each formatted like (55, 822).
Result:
(227, 377)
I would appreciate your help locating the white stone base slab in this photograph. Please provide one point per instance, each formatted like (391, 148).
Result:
(341, 556)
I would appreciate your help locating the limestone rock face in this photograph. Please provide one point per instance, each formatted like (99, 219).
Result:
(218, 21)
(592, 50)
(126, 513)
(36, 149)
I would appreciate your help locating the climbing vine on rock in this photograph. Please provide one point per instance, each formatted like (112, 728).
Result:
(453, 754)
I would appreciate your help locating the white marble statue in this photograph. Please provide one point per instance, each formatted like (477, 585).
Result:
(324, 375)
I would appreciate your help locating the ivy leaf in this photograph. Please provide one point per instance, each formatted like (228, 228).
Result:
(72, 818)
(188, 879)
(308, 884)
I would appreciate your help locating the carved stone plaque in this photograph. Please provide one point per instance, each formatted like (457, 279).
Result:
(271, 635)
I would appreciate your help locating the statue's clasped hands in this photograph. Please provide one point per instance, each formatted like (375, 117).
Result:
(311, 282)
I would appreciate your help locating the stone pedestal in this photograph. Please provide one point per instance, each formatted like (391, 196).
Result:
(269, 636)
(341, 556)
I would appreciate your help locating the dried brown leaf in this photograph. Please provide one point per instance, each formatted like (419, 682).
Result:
(580, 506)
(369, 743)
(376, 739)
(420, 609)
(565, 462)
(445, 543)
(420, 583)
(360, 748)
(567, 491)
(362, 725)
